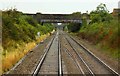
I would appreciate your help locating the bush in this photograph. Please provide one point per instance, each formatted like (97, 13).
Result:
(102, 32)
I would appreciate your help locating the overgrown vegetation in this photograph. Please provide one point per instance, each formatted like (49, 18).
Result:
(19, 35)
(103, 31)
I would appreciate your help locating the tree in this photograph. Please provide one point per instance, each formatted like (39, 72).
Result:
(101, 14)
(76, 15)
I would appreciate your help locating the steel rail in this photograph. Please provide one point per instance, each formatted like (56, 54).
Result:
(36, 71)
(59, 59)
(81, 58)
(102, 62)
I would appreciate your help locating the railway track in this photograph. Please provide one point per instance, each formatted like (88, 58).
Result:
(84, 72)
(82, 61)
(82, 66)
(113, 72)
(92, 63)
(50, 63)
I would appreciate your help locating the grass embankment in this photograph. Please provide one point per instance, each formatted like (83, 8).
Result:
(104, 35)
(13, 56)
(19, 36)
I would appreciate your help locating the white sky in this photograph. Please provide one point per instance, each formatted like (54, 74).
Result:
(57, 6)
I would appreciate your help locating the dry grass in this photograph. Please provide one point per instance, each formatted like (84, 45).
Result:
(42, 38)
(15, 54)
(1, 59)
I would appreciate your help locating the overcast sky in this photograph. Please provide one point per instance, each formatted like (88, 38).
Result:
(57, 6)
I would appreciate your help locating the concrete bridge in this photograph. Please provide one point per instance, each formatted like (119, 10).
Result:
(56, 18)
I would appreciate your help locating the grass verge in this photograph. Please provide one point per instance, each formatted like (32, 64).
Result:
(15, 54)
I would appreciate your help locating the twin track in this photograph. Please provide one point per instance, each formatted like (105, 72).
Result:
(62, 46)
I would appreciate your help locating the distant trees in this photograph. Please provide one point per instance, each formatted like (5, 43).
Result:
(101, 14)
